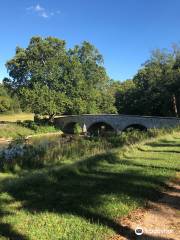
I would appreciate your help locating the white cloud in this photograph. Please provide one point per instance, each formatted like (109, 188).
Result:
(42, 12)
(38, 8)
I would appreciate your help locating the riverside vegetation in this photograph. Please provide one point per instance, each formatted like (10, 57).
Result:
(22, 129)
(74, 188)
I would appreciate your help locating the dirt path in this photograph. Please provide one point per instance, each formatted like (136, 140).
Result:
(161, 221)
(4, 142)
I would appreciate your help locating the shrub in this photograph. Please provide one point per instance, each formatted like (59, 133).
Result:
(77, 129)
(40, 126)
(30, 124)
(21, 154)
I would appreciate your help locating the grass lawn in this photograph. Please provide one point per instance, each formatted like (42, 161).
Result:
(13, 130)
(16, 116)
(81, 200)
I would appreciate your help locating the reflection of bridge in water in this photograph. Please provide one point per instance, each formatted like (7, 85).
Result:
(114, 122)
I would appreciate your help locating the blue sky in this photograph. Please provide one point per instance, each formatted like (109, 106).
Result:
(124, 31)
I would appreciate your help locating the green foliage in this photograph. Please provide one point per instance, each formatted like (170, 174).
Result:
(7, 102)
(152, 89)
(29, 124)
(77, 129)
(126, 98)
(51, 80)
(43, 100)
(45, 151)
(13, 130)
(19, 154)
(23, 129)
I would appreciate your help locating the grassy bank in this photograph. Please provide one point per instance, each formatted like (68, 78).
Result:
(81, 199)
(14, 130)
(22, 125)
(50, 150)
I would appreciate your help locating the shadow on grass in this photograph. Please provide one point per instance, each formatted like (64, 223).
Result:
(7, 231)
(131, 163)
(171, 201)
(78, 190)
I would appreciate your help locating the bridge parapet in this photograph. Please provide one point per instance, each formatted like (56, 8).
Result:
(117, 122)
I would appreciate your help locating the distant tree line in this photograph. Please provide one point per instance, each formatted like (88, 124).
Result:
(49, 79)
(155, 89)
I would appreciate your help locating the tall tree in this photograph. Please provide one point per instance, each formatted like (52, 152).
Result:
(96, 81)
(77, 75)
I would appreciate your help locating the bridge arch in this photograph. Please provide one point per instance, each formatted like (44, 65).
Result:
(69, 127)
(136, 126)
(100, 128)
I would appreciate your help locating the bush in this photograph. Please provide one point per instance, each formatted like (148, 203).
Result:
(41, 152)
(42, 126)
(5, 104)
(8, 103)
(29, 124)
(41, 121)
(22, 155)
(77, 129)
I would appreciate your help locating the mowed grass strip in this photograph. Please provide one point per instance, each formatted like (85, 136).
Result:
(82, 200)
(16, 117)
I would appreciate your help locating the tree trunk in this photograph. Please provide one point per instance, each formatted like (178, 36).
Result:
(51, 118)
(174, 105)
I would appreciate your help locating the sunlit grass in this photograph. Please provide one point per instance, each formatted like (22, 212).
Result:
(13, 130)
(16, 117)
(81, 199)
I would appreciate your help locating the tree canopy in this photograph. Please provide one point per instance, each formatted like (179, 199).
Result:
(52, 80)
(7, 102)
(155, 89)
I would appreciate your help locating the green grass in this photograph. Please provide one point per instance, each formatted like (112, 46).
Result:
(81, 199)
(14, 130)
(13, 117)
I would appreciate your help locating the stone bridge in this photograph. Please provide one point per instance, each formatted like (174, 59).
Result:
(115, 122)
